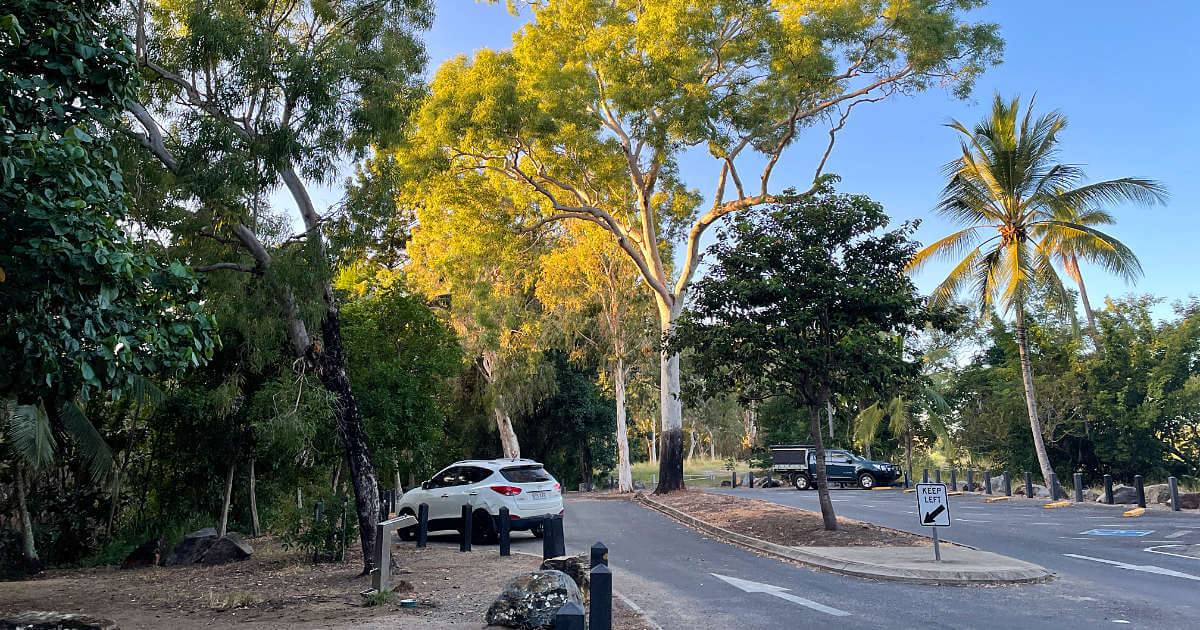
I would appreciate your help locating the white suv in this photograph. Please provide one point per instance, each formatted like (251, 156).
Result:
(521, 485)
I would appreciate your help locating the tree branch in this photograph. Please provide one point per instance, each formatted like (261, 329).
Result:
(228, 265)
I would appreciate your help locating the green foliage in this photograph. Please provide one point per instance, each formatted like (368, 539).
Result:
(87, 309)
(798, 300)
(323, 538)
(379, 598)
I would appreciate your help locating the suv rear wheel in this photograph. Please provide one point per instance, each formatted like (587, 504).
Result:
(483, 528)
(408, 533)
(866, 481)
(802, 482)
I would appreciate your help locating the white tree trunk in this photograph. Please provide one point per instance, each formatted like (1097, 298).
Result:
(692, 444)
(624, 474)
(670, 455)
(653, 441)
(712, 446)
(30, 549)
(225, 505)
(253, 503)
(508, 437)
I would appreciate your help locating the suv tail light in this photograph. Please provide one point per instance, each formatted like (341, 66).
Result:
(557, 487)
(508, 491)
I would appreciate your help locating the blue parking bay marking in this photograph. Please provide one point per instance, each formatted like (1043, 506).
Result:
(1117, 532)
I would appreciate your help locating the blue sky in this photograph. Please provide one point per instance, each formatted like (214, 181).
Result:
(1124, 73)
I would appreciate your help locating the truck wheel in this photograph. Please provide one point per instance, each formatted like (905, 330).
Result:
(801, 482)
(866, 481)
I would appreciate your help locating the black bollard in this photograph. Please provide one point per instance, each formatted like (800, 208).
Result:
(924, 475)
(733, 484)
(987, 481)
(505, 532)
(1007, 484)
(600, 615)
(907, 479)
(954, 479)
(1053, 486)
(1079, 487)
(1108, 497)
(464, 541)
(569, 617)
(1173, 487)
(1141, 491)
(937, 476)
(1028, 485)
(599, 554)
(553, 544)
(971, 480)
(750, 479)
(422, 525)
(560, 538)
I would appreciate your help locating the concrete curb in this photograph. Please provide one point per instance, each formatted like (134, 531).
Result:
(814, 558)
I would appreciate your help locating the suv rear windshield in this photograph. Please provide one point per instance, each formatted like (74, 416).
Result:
(525, 474)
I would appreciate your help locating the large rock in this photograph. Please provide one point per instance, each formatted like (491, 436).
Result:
(191, 548)
(146, 555)
(1038, 490)
(577, 567)
(1158, 493)
(639, 484)
(997, 484)
(531, 600)
(1124, 494)
(43, 620)
(228, 548)
(1189, 500)
(1091, 495)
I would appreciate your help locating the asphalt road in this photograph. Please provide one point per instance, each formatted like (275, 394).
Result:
(667, 570)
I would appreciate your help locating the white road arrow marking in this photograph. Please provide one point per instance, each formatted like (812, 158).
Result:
(1145, 568)
(777, 591)
(1179, 534)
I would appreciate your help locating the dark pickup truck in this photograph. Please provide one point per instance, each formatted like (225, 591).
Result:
(797, 464)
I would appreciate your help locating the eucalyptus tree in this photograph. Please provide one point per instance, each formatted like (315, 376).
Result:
(592, 296)
(593, 108)
(245, 96)
(1008, 190)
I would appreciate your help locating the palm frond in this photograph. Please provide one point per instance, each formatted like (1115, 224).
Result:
(96, 454)
(31, 435)
(866, 423)
(1136, 189)
(1093, 246)
(146, 391)
(945, 248)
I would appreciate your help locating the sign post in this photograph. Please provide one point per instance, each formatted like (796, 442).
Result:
(933, 510)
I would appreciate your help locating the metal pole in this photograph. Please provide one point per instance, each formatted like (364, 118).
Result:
(987, 481)
(1141, 490)
(1079, 487)
(1108, 497)
(1028, 485)
(569, 617)
(422, 525)
(464, 542)
(937, 549)
(971, 480)
(1007, 484)
(600, 613)
(1173, 486)
(505, 533)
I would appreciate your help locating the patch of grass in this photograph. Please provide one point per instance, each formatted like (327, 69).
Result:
(698, 466)
(232, 599)
(378, 598)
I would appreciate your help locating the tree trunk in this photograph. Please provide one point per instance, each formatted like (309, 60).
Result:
(396, 476)
(624, 473)
(585, 463)
(508, 437)
(670, 453)
(228, 496)
(299, 499)
(692, 444)
(254, 526)
(1092, 331)
(337, 474)
(653, 441)
(32, 561)
(712, 446)
(822, 479)
(908, 453)
(1035, 424)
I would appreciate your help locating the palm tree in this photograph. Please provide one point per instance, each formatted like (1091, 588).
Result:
(1008, 183)
(1069, 249)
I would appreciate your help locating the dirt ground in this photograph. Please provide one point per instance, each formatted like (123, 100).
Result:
(783, 525)
(279, 589)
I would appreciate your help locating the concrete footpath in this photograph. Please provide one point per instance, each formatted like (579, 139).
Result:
(915, 565)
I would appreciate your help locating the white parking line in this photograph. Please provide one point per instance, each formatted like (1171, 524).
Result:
(971, 520)
(1167, 553)
(1179, 534)
(1145, 568)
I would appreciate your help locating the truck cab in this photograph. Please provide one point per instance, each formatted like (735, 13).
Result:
(797, 464)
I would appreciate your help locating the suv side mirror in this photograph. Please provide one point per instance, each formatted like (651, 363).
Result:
(425, 485)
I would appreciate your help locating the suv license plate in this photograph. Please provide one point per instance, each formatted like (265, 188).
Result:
(538, 494)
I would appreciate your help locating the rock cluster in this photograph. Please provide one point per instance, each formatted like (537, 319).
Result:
(44, 620)
(577, 567)
(205, 547)
(531, 600)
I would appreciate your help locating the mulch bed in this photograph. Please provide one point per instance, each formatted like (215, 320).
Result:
(784, 525)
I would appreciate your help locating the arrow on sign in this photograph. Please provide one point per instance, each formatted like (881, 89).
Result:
(777, 591)
(930, 517)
